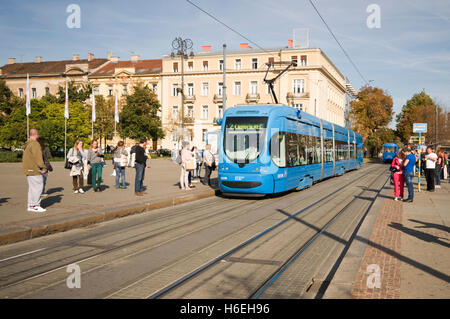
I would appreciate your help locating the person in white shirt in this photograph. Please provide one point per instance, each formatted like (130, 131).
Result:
(209, 160)
(430, 168)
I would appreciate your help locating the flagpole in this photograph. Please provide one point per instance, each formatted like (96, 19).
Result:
(93, 114)
(28, 106)
(65, 136)
(66, 115)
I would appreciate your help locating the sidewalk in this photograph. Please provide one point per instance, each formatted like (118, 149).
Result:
(400, 251)
(66, 210)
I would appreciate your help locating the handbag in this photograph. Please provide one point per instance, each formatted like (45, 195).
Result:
(68, 165)
(190, 165)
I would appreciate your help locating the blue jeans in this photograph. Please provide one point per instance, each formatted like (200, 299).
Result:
(139, 181)
(120, 171)
(409, 184)
(438, 174)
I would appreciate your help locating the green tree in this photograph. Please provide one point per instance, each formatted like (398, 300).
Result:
(421, 108)
(77, 92)
(139, 117)
(104, 122)
(380, 136)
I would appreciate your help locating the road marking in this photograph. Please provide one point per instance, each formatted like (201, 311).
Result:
(24, 254)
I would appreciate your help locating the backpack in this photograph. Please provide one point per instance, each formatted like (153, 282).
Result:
(178, 158)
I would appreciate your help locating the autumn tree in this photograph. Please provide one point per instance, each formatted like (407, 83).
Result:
(104, 118)
(421, 108)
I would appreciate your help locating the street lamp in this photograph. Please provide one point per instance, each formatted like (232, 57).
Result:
(181, 47)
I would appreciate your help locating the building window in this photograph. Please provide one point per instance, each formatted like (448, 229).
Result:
(124, 89)
(254, 87)
(205, 89)
(175, 112)
(33, 93)
(110, 90)
(190, 89)
(175, 89)
(220, 88)
(155, 88)
(268, 89)
(204, 131)
(271, 60)
(237, 64)
(303, 60)
(175, 66)
(220, 109)
(205, 65)
(47, 91)
(204, 112)
(190, 111)
(294, 60)
(21, 93)
(254, 63)
(174, 136)
(190, 66)
(237, 88)
(96, 90)
(298, 86)
(298, 106)
(221, 65)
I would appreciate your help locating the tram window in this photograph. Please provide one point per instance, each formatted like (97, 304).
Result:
(318, 150)
(303, 146)
(328, 150)
(278, 149)
(341, 150)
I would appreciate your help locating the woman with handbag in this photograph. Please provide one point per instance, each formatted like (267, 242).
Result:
(397, 172)
(75, 158)
(120, 157)
(95, 163)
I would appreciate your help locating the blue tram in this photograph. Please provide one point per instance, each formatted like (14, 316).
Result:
(390, 150)
(266, 149)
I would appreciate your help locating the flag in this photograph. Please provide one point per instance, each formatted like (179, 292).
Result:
(28, 104)
(116, 109)
(66, 105)
(93, 105)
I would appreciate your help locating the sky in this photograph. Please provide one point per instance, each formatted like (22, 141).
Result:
(409, 51)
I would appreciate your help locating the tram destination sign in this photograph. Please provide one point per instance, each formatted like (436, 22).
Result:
(419, 127)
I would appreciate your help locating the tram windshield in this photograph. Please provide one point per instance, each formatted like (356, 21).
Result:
(244, 138)
(389, 149)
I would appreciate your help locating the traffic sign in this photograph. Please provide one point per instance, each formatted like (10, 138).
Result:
(419, 127)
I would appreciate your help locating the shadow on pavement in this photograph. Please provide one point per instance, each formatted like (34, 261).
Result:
(430, 225)
(420, 235)
(4, 200)
(54, 190)
(49, 201)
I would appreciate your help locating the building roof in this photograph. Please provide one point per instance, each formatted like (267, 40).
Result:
(140, 67)
(47, 67)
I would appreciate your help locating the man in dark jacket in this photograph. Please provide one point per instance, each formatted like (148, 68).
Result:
(34, 167)
(140, 164)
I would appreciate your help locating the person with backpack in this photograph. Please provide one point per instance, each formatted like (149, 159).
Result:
(210, 165)
(397, 172)
(75, 158)
(120, 157)
(408, 171)
(140, 163)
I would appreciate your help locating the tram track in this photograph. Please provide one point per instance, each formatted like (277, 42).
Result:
(170, 290)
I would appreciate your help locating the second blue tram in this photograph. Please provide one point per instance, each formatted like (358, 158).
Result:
(266, 149)
(390, 150)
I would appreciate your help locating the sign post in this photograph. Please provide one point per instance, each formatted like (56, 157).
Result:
(419, 128)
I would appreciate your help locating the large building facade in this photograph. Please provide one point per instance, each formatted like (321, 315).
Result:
(314, 85)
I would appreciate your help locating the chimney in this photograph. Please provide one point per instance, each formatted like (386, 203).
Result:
(134, 58)
(206, 48)
(90, 56)
(109, 54)
(76, 57)
(114, 59)
(290, 43)
(38, 59)
(11, 60)
(245, 46)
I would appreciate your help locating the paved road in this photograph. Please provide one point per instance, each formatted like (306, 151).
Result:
(137, 256)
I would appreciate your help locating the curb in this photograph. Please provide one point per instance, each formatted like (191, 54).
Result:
(14, 232)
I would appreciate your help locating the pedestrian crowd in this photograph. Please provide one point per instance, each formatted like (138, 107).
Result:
(87, 164)
(405, 165)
